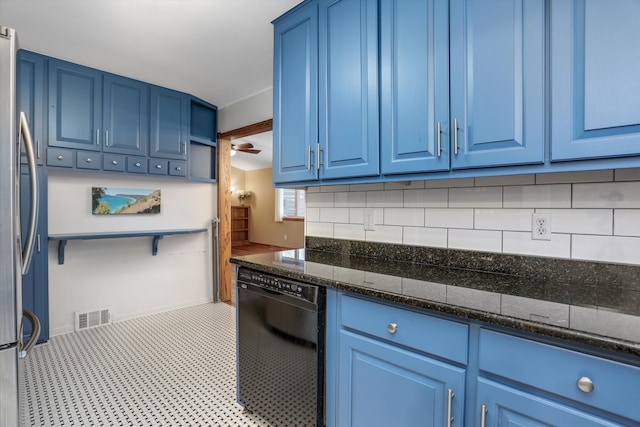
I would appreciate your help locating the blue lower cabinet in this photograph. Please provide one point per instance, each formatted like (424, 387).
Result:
(60, 157)
(113, 162)
(504, 406)
(177, 168)
(137, 164)
(88, 160)
(158, 167)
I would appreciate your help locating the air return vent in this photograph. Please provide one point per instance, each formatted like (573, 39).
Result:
(92, 319)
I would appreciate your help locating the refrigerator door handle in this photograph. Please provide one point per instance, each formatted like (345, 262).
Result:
(35, 333)
(34, 207)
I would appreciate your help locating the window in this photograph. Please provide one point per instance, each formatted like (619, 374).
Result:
(290, 203)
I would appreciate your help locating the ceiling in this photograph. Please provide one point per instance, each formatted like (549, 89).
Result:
(218, 50)
(262, 160)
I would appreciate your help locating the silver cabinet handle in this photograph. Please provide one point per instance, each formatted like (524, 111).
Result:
(392, 327)
(455, 136)
(37, 148)
(184, 148)
(438, 138)
(585, 384)
(98, 136)
(178, 168)
(138, 164)
(38, 243)
(60, 157)
(318, 157)
(106, 137)
(158, 166)
(89, 160)
(309, 157)
(114, 162)
(483, 415)
(450, 396)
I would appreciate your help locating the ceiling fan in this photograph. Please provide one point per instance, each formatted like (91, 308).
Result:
(245, 147)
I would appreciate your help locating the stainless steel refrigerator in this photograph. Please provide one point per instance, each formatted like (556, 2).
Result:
(15, 250)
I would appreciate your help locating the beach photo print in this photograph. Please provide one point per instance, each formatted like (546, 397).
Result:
(124, 201)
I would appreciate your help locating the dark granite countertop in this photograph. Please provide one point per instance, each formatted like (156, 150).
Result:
(585, 312)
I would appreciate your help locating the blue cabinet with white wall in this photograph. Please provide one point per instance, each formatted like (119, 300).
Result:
(31, 99)
(169, 123)
(326, 91)
(594, 82)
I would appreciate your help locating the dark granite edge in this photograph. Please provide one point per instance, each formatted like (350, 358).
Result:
(599, 342)
(556, 269)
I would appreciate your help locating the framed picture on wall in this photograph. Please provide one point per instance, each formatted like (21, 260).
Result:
(124, 201)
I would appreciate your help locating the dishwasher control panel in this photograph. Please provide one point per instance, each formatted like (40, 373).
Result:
(289, 287)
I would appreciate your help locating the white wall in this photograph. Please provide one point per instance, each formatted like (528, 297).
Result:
(121, 274)
(594, 215)
(248, 111)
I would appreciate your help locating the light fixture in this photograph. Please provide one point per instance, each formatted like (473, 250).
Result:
(232, 153)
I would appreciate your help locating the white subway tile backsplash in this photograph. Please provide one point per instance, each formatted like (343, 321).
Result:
(420, 236)
(313, 189)
(495, 181)
(580, 221)
(475, 197)
(476, 240)
(319, 200)
(366, 187)
(537, 196)
(632, 174)
(609, 195)
(431, 198)
(449, 183)
(312, 215)
(349, 231)
(356, 215)
(519, 243)
(403, 185)
(574, 177)
(626, 222)
(449, 218)
(384, 199)
(404, 216)
(340, 215)
(353, 199)
(624, 250)
(385, 234)
(319, 229)
(503, 219)
(334, 188)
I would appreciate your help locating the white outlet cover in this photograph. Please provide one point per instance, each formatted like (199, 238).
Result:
(541, 226)
(369, 219)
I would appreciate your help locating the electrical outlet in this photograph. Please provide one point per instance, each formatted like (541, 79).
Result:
(369, 219)
(285, 237)
(541, 226)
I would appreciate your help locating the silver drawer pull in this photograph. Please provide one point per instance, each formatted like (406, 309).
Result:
(585, 384)
(138, 164)
(392, 328)
(114, 162)
(60, 157)
(158, 166)
(89, 160)
(178, 168)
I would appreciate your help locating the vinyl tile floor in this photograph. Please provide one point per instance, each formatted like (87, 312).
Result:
(171, 369)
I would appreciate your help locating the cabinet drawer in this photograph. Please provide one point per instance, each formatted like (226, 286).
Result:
(60, 157)
(88, 160)
(177, 168)
(158, 167)
(557, 370)
(137, 164)
(113, 162)
(432, 335)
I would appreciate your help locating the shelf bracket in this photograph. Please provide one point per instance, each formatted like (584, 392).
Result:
(61, 245)
(154, 249)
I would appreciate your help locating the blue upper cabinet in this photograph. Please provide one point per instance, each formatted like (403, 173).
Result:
(348, 88)
(169, 121)
(595, 89)
(497, 82)
(75, 106)
(125, 115)
(295, 96)
(31, 97)
(414, 75)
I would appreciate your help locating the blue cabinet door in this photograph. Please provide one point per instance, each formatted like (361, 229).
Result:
(348, 89)
(75, 106)
(295, 96)
(169, 120)
(35, 284)
(125, 115)
(595, 90)
(382, 385)
(510, 407)
(31, 98)
(497, 82)
(414, 76)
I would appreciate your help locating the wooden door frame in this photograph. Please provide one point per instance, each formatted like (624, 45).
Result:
(224, 200)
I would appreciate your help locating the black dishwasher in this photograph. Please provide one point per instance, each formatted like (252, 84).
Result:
(281, 326)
